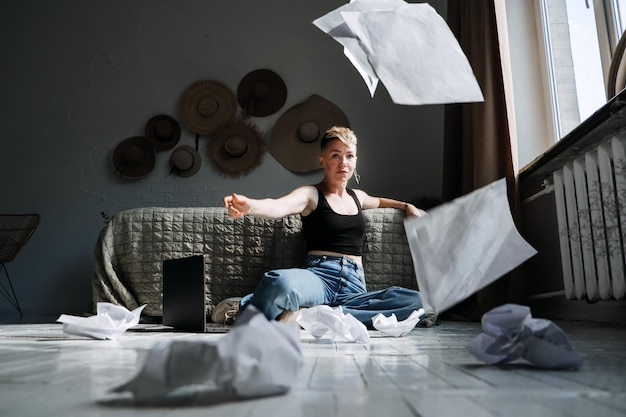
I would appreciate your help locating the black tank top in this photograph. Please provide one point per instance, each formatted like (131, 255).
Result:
(325, 230)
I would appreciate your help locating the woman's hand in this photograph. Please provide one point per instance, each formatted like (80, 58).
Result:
(237, 205)
(412, 211)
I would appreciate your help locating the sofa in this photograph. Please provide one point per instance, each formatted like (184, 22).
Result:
(131, 248)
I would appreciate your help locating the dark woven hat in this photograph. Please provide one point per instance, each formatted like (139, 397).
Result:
(163, 132)
(237, 149)
(207, 106)
(261, 93)
(133, 158)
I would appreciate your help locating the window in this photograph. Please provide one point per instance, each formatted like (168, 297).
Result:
(621, 14)
(579, 38)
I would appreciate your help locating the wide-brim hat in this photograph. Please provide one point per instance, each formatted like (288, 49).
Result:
(207, 106)
(163, 132)
(261, 93)
(297, 133)
(237, 149)
(133, 158)
(185, 161)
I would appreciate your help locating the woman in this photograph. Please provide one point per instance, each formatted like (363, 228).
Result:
(333, 227)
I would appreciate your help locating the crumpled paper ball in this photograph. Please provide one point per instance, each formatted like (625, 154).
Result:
(324, 320)
(390, 326)
(110, 322)
(256, 358)
(510, 333)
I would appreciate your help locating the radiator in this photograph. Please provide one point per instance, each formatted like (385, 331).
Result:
(590, 194)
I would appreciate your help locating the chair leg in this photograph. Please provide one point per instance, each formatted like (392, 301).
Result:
(4, 291)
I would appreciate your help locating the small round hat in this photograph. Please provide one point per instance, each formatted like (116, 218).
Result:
(185, 161)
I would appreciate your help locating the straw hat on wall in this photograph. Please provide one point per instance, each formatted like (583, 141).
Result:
(297, 133)
(237, 149)
(207, 106)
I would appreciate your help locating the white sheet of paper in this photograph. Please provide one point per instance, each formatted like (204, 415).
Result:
(333, 24)
(464, 245)
(409, 47)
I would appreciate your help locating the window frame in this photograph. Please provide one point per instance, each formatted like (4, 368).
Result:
(608, 28)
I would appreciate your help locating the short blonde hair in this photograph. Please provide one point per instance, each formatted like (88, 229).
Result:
(344, 134)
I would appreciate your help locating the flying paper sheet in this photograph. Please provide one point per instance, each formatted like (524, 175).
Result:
(409, 47)
(464, 245)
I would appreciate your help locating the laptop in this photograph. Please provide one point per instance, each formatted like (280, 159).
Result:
(184, 294)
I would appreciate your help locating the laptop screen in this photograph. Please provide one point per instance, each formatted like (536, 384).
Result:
(183, 287)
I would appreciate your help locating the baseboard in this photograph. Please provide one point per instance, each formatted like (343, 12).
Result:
(10, 315)
(557, 307)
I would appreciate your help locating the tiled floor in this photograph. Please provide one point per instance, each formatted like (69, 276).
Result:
(44, 372)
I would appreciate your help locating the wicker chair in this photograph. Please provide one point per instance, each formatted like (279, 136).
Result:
(15, 231)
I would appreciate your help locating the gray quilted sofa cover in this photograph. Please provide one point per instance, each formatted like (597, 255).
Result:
(131, 248)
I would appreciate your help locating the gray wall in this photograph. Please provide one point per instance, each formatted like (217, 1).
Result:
(77, 77)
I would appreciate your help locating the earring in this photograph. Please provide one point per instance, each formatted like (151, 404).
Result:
(357, 177)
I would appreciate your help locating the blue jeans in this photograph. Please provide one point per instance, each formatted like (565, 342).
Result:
(330, 280)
